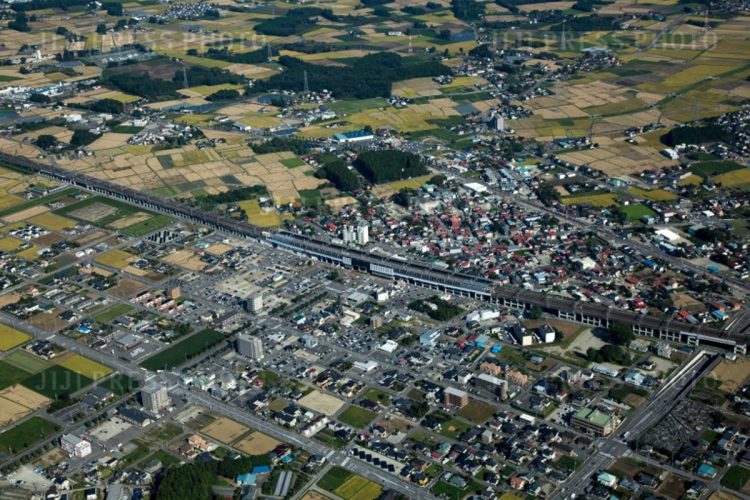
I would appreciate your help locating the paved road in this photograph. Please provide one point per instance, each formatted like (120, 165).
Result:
(308, 444)
(643, 419)
(122, 366)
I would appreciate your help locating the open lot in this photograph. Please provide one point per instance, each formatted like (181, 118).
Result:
(225, 430)
(731, 374)
(322, 403)
(257, 443)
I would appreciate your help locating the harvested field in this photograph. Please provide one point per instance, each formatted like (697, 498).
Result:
(17, 402)
(25, 214)
(94, 212)
(52, 222)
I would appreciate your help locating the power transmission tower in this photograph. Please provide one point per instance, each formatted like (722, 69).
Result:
(307, 87)
(184, 77)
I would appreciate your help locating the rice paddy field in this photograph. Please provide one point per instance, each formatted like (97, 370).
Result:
(10, 337)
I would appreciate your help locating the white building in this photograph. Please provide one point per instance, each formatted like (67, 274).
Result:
(365, 366)
(75, 446)
(250, 346)
(349, 234)
(255, 304)
(363, 233)
(155, 397)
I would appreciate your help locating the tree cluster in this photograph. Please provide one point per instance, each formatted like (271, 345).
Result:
(436, 308)
(696, 135)
(47, 4)
(467, 10)
(223, 95)
(278, 144)
(389, 165)
(369, 76)
(82, 137)
(337, 173)
(195, 480)
(295, 22)
(112, 106)
(609, 354)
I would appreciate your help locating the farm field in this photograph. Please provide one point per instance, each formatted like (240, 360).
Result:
(183, 350)
(26, 361)
(595, 200)
(119, 383)
(57, 381)
(86, 367)
(10, 337)
(26, 434)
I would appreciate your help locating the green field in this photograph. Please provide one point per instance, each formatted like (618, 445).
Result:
(477, 411)
(453, 428)
(183, 351)
(736, 478)
(708, 169)
(119, 384)
(636, 212)
(153, 223)
(357, 417)
(56, 381)
(158, 221)
(113, 312)
(448, 490)
(334, 478)
(292, 162)
(11, 375)
(38, 201)
(26, 361)
(26, 434)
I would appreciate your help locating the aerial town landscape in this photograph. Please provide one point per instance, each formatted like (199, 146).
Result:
(374, 249)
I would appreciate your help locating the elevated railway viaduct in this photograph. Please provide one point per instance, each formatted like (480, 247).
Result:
(396, 269)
